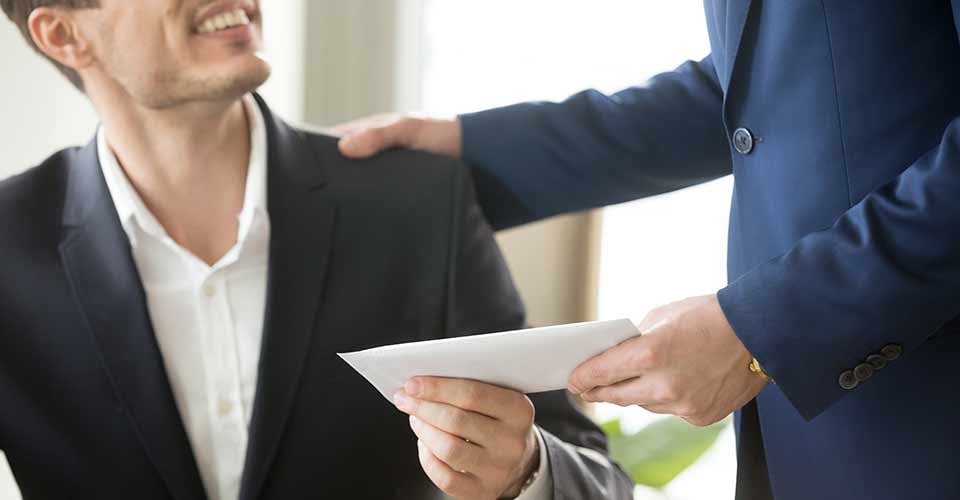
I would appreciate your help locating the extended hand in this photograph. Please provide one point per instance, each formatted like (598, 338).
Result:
(688, 363)
(477, 441)
(368, 136)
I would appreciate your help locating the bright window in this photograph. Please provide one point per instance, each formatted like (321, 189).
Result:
(474, 55)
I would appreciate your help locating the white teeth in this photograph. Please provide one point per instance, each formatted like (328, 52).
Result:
(223, 21)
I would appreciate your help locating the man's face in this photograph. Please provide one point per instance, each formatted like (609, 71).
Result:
(165, 53)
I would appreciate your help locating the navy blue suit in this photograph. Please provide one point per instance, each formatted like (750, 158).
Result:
(844, 244)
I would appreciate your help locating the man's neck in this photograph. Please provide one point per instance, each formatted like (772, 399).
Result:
(188, 164)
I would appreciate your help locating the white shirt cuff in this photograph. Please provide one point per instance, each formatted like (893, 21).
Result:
(542, 486)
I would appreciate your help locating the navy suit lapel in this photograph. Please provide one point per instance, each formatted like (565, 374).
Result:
(106, 285)
(302, 221)
(735, 21)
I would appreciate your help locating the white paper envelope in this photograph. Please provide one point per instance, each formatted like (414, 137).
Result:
(532, 360)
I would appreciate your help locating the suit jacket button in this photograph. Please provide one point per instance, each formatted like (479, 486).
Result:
(877, 361)
(891, 352)
(863, 372)
(743, 141)
(848, 380)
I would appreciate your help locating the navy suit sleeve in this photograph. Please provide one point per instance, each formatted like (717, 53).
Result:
(482, 299)
(887, 272)
(535, 160)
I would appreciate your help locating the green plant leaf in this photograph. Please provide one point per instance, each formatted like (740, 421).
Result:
(660, 451)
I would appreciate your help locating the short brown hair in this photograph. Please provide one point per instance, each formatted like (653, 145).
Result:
(19, 12)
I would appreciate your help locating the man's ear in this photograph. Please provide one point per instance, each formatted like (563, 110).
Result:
(56, 34)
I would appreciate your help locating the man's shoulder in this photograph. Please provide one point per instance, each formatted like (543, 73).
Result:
(403, 172)
(34, 197)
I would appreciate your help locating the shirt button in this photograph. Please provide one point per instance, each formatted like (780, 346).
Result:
(224, 408)
(848, 380)
(209, 290)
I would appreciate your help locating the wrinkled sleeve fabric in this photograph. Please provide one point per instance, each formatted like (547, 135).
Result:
(580, 467)
(887, 272)
(542, 486)
(482, 298)
(538, 159)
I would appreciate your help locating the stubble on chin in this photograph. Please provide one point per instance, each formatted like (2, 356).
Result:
(168, 90)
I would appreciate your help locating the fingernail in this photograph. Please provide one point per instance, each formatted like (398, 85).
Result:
(412, 387)
(401, 400)
(414, 422)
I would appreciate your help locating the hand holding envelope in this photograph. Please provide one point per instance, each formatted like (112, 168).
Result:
(475, 427)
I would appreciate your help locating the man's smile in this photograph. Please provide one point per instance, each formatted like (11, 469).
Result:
(234, 20)
(224, 21)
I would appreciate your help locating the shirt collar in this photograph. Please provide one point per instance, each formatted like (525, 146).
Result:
(134, 214)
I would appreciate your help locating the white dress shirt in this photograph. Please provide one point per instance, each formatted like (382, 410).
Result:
(208, 320)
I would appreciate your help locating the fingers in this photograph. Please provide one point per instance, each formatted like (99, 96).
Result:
(451, 482)
(626, 361)
(645, 392)
(450, 449)
(483, 431)
(359, 124)
(364, 139)
(368, 136)
(496, 402)
(635, 391)
(479, 429)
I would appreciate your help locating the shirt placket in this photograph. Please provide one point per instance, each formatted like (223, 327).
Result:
(228, 426)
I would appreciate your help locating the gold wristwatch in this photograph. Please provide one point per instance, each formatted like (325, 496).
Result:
(756, 368)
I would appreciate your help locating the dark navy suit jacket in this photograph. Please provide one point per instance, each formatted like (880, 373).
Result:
(389, 250)
(844, 244)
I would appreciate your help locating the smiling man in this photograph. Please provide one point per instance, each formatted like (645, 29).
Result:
(173, 294)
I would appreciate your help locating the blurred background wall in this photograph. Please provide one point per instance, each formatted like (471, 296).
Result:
(336, 60)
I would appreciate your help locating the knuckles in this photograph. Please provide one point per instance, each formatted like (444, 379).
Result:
(455, 418)
(700, 421)
(451, 451)
(376, 135)
(617, 398)
(644, 357)
(448, 482)
(597, 373)
(473, 394)
(667, 393)
(427, 388)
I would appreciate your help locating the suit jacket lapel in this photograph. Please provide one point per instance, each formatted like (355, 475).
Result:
(302, 222)
(738, 12)
(98, 262)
